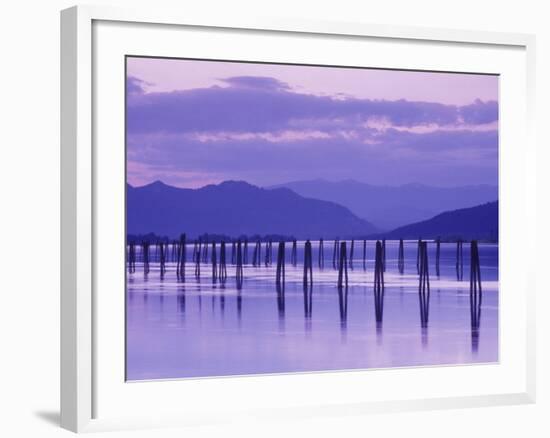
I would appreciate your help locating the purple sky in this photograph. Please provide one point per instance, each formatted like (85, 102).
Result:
(191, 123)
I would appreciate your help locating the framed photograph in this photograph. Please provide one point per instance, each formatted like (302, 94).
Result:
(341, 212)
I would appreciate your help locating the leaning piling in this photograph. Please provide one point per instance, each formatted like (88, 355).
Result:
(335, 254)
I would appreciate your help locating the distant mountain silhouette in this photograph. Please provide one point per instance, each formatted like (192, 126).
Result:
(388, 207)
(236, 208)
(480, 222)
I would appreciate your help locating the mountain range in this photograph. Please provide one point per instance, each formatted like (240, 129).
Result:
(236, 208)
(389, 207)
(480, 222)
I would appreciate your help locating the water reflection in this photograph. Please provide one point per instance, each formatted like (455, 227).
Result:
(308, 299)
(171, 335)
(343, 306)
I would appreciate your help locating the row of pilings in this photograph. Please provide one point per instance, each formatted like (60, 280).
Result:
(177, 253)
(201, 254)
(204, 253)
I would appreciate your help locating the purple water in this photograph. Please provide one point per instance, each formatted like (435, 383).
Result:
(196, 329)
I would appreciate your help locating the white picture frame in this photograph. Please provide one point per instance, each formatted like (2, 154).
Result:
(85, 175)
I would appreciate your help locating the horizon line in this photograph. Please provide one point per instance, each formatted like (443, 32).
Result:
(323, 180)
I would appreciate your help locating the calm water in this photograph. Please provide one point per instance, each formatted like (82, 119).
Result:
(195, 328)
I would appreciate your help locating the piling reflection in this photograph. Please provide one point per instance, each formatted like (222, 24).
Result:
(379, 286)
(423, 284)
(343, 306)
(475, 294)
(308, 299)
(181, 301)
(281, 300)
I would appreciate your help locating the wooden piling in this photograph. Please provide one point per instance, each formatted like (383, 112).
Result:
(364, 254)
(321, 254)
(145, 254)
(418, 256)
(343, 285)
(214, 259)
(294, 253)
(181, 256)
(308, 263)
(131, 257)
(437, 255)
(475, 286)
(197, 259)
(401, 257)
(233, 252)
(424, 284)
(268, 253)
(205, 252)
(280, 274)
(308, 279)
(384, 254)
(163, 249)
(459, 261)
(379, 286)
(343, 267)
(256, 257)
(239, 274)
(222, 274)
(245, 252)
(199, 251)
(335, 254)
(173, 250)
(351, 250)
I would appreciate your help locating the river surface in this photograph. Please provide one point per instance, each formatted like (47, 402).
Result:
(177, 329)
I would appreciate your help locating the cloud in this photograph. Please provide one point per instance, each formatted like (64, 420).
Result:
(396, 156)
(135, 86)
(480, 112)
(259, 82)
(261, 104)
(260, 130)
